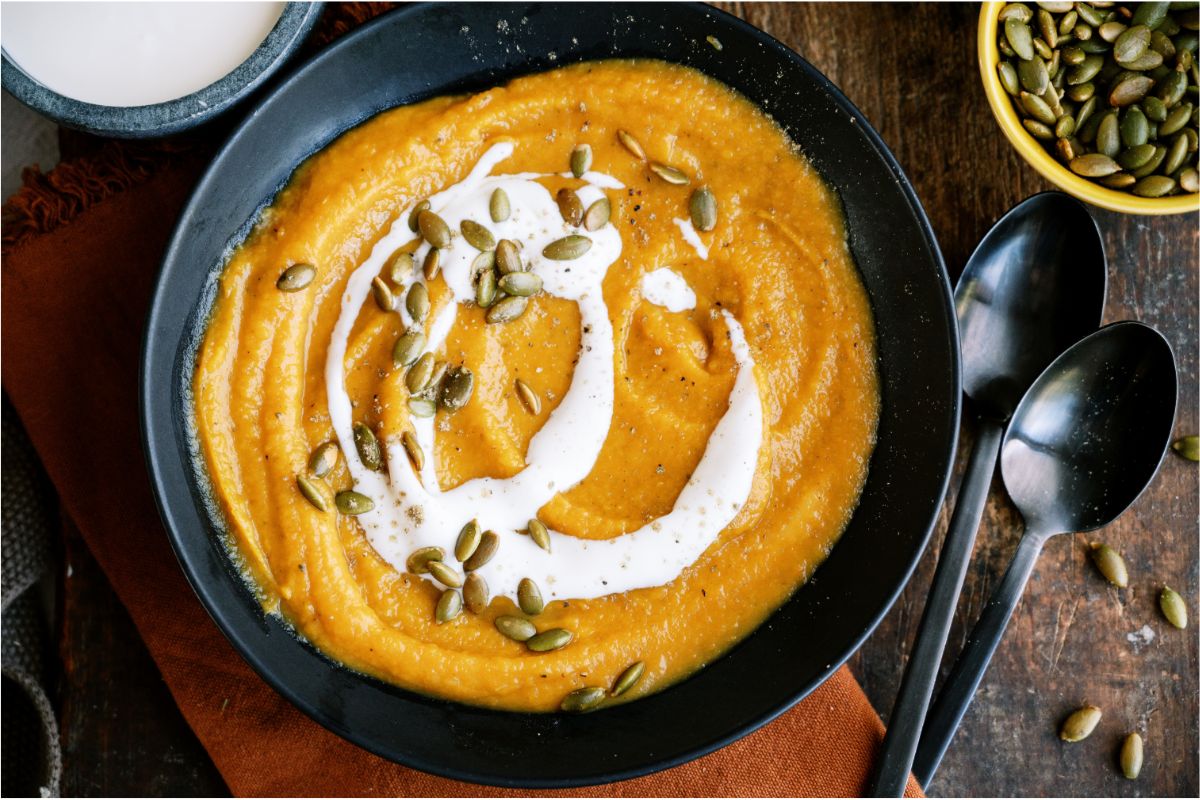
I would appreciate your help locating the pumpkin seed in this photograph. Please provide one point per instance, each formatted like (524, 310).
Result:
(1131, 44)
(456, 392)
(581, 160)
(1060, 7)
(1154, 109)
(1047, 27)
(671, 175)
(400, 266)
(1161, 44)
(703, 208)
(417, 302)
(323, 459)
(422, 407)
(597, 214)
(352, 503)
(449, 606)
(419, 374)
(1188, 447)
(314, 491)
(1173, 608)
(528, 397)
(553, 639)
(539, 533)
(383, 295)
(1019, 37)
(1131, 756)
(485, 288)
(1066, 150)
(1176, 119)
(1130, 90)
(1082, 32)
(1176, 154)
(1071, 56)
(413, 448)
(1080, 724)
(475, 593)
(1150, 14)
(489, 543)
(570, 206)
(498, 206)
(626, 680)
(1150, 166)
(1018, 11)
(507, 310)
(444, 574)
(418, 561)
(433, 389)
(581, 700)
(1189, 181)
(1008, 77)
(1108, 136)
(408, 347)
(1135, 129)
(1170, 88)
(1110, 564)
(1033, 75)
(1036, 107)
(468, 541)
(414, 215)
(1147, 61)
(433, 229)
(1094, 165)
(521, 284)
(631, 144)
(508, 257)
(1085, 70)
(477, 235)
(369, 451)
(567, 248)
(296, 277)
(1135, 157)
(529, 597)
(1154, 186)
(518, 629)
(1085, 111)
(1065, 126)
(432, 264)
(1042, 49)
(1110, 31)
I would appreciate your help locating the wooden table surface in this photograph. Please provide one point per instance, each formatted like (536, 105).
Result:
(911, 70)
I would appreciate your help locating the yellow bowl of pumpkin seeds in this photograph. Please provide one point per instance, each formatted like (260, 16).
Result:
(1100, 98)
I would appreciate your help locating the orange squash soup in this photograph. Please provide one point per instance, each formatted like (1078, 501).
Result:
(543, 397)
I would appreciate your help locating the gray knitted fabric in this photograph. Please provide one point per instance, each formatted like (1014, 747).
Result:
(31, 755)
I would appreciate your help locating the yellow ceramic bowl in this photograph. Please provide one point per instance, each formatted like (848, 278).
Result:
(1039, 158)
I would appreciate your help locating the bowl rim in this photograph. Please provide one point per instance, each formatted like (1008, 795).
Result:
(1036, 156)
(153, 396)
(295, 22)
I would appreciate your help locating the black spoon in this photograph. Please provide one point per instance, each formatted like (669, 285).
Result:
(1034, 286)
(1082, 446)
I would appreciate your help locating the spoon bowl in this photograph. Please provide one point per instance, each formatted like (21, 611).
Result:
(1030, 290)
(1092, 430)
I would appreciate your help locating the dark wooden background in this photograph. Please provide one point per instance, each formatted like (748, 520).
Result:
(911, 69)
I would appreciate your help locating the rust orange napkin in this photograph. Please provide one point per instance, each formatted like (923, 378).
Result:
(82, 247)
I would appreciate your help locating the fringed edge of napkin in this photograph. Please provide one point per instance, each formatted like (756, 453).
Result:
(49, 200)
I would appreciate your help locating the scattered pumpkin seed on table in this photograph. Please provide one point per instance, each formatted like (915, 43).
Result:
(1131, 756)
(1173, 608)
(1110, 564)
(1080, 724)
(1188, 447)
(1109, 91)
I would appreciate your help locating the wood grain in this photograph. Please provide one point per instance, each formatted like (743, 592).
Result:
(911, 70)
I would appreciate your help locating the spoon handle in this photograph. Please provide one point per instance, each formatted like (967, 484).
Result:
(959, 689)
(908, 714)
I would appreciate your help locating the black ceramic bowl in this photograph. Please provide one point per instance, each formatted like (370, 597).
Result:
(162, 119)
(389, 63)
